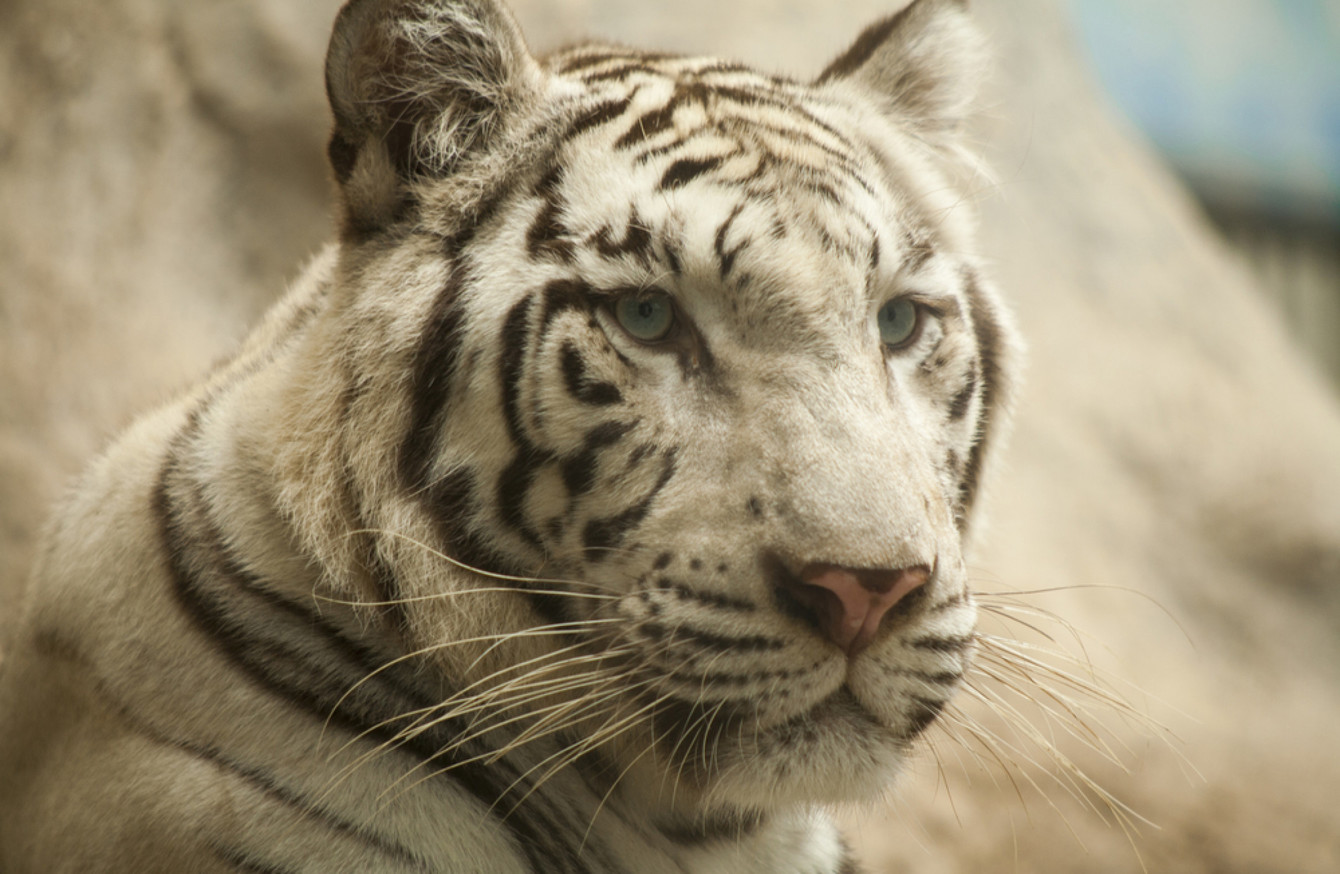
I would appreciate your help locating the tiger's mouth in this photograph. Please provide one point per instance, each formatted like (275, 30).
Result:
(841, 709)
(683, 726)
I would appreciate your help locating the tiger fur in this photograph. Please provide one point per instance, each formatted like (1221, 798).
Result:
(448, 570)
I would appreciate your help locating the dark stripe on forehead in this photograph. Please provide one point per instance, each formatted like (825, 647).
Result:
(580, 58)
(685, 170)
(726, 257)
(649, 124)
(547, 235)
(600, 114)
(636, 241)
(622, 71)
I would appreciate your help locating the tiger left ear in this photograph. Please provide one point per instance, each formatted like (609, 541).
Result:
(417, 87)
(922, 64)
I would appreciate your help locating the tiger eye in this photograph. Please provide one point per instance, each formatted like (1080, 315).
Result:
(647, 317)
(899, 322)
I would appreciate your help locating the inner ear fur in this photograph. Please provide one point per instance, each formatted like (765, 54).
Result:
(416, 87)
(923, 66)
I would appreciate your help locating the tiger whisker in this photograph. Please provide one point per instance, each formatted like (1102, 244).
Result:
(599, 737)
(542, 630)
(453, 593)
(1069, 768)
(487, 757)
(431, 550)
(462, 704)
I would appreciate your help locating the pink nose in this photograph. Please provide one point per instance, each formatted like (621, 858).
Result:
(849, 603)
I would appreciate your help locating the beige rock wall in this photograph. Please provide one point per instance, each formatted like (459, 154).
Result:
(1175, 470)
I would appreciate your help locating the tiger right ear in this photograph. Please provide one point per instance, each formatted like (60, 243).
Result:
(416, 86)
(923, 65)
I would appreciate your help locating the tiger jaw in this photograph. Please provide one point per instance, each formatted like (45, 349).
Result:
(770, 710)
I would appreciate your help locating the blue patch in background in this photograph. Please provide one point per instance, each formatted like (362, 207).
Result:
(1243, 96)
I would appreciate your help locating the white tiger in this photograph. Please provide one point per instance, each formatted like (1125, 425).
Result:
(595, 504)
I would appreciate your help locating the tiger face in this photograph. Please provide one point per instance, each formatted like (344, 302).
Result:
(693, 363)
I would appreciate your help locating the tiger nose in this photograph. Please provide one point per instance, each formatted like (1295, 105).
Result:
(848, 604)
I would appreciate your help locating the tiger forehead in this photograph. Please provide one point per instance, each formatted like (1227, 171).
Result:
(707, 143)
(649, 106)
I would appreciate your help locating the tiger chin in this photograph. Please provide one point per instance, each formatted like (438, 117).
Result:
(595, 503)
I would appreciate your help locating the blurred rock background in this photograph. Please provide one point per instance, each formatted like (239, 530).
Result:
(1172, 492)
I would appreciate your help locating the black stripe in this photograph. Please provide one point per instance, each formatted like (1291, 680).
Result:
(653, 122)
(951, 603)
(958, 407)
(581, 386)
(581, 62)
(511, 357)
(579, 469)
(573, 64)
(514, 484)
(453, 501)
(732, 826)
(562, 295)
(244, 862)
(621, 71)
(947, 645)
(601, 535)
(685, 170)
(435, 363)
(724, 256)
(548, 237)
(924, 712)
(710, 599)
(932, 678)
(600, 114)
(636, 241)
(455, 498)
(715, 642)
(990, 349)
(515, 480)
(790, 108)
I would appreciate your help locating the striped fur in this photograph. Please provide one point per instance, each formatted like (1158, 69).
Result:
(445, 570)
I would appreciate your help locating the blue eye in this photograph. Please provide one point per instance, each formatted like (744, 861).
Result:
(647, 317)
(899, 322)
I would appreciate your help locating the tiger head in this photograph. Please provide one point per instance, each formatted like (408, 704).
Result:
(667, 386)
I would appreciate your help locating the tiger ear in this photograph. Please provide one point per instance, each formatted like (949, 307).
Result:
(416, 86)
(922, 64)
